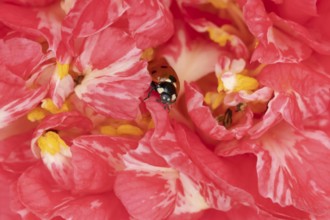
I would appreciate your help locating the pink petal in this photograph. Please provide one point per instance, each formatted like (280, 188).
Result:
(98, 50)
(146, 195)
(6, 180)
(102, 206)
(20, 55)
(15, 152)
(60, 89)
(203, 119)
(152, 181)
(39, 193)
(30, 2)
(18, 99)
(38, 21)
(82, 21)
(300, 93)
(279, 168)
(274, 45)
(280, 162)
(298, 10)
(116, 92)
(95, 159)
(150, 22)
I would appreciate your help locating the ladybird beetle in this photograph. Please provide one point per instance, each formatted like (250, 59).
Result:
(164, 81)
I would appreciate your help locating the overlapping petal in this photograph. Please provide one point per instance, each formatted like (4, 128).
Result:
(300, 92)
(19, 99)
(150, 22)
(117, 81)
(279, 166)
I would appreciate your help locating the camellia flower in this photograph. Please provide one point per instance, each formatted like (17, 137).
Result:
(85, 135)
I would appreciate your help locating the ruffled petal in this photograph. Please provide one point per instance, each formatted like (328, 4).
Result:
(150, 22)
(274, 46)
(300, 93)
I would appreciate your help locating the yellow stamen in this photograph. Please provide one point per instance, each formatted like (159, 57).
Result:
(148, 54)
(245, 83)
(128, 129)
(220, 4)
(213, 99)
(49, 105)
(36, 114)
(151, 124)
(219, 36)
(108, 130)
(51, 143)
(62, 70)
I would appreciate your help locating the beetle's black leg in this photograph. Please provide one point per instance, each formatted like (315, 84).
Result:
(153, 86)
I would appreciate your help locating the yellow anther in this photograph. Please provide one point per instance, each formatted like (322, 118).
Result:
(49, 105)
(245, 83)
(36, 114)
(128, 129)
(62, 70)
(148, 54)
(213, 99)
(51, 143)
(219, 36)
(108, 130)
(151, 124)
(220, 4)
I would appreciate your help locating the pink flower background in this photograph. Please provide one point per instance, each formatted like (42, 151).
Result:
(78, 139)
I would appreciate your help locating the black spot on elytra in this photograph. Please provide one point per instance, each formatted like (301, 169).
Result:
(154, 71)
(164, 67)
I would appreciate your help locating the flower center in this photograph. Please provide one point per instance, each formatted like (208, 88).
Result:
(51, 143)
(233, 96)
(228, 32)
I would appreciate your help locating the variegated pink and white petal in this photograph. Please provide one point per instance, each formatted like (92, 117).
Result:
(37, 21)
(147, 194)
(98, 51)
(15, 152)
(150, 22)
(95, 161)
(82, 21)
(300, 93)
(60, 89)
(102, 206)
(39, 193)
(17, 99)
(274, 45)
(292, 168)
(20, 56)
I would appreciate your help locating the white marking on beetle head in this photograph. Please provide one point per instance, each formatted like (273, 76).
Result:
(160, 90)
